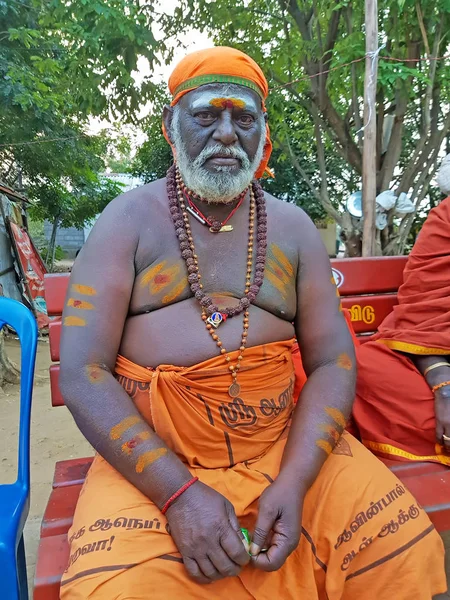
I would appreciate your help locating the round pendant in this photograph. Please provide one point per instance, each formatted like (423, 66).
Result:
(234, 390)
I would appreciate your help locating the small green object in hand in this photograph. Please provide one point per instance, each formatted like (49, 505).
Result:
(246, 535)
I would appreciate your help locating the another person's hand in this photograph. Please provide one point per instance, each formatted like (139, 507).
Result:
(442, 410)
(278, 526)
(207, 533)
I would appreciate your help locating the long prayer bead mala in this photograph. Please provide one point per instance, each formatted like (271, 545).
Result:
(210, 312)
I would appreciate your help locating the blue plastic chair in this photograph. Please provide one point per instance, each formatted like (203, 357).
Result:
(15, 497)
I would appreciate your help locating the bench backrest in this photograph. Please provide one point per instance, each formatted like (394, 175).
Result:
(368, 288)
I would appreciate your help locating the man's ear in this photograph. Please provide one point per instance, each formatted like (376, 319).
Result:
(167, 120)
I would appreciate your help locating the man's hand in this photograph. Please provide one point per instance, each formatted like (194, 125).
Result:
(442, 410)
(278, 526)
(207, 533)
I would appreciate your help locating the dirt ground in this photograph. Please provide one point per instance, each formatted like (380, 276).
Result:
(54, 436)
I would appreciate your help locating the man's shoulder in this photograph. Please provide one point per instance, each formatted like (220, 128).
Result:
(137, 202)
(286, 211)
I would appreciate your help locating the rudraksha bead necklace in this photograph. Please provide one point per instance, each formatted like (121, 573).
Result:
(210, 313)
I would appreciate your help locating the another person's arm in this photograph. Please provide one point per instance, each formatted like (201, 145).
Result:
(437, 374)
(93, 321)
(323, 407)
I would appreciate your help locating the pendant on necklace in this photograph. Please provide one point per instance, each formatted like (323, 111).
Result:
(234, 390)
(222, 229)
(216, 319)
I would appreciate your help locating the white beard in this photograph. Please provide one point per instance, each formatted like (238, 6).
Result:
(223, 185)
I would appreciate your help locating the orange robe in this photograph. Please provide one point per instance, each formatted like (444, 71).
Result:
(363, 535)
(394, 407)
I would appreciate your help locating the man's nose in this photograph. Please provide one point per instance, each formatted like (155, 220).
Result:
(225, 131)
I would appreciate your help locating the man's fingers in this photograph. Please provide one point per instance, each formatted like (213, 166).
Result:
(194, 571)
(235, 547)
(263, 527)
(208, 569)
(446, 434)
(273, 559)
(222, 562)
(439, 432)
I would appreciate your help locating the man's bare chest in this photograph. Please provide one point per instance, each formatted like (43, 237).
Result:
(162, 279)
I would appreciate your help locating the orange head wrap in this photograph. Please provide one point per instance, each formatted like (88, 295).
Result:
(221, 65)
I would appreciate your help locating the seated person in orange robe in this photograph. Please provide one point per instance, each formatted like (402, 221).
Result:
(402, 407)
(176, 362)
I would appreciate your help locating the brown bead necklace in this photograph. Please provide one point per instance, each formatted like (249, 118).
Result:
(210, 313)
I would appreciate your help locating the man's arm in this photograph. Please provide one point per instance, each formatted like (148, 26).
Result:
(328, 358)
(203, 523)
(323, 407)
(93, 320)
(436, 376)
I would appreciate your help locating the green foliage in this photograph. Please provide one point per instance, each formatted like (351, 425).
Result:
(45, 253)
(61, 63)
(304, 48)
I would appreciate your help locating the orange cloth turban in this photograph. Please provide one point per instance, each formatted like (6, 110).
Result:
(221, 65)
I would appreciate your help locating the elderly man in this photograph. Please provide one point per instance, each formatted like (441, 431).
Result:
(176, 364)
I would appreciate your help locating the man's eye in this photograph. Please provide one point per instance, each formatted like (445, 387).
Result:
(246, 119)
(205, 116)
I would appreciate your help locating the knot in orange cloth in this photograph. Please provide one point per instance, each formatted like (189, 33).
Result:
(221, 65)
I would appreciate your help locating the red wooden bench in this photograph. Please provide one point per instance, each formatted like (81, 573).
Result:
(368, 288)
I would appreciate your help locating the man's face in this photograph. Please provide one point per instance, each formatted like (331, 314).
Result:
(218, 131)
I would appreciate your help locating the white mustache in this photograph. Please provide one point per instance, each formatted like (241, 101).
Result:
(218, 149)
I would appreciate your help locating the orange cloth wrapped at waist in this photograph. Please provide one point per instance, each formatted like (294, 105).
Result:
(120, 543)
(420, 324)
(201, 423)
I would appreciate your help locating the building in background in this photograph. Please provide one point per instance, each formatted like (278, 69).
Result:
(71, 239)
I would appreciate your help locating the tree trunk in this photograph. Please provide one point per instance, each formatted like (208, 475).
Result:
(52, 245)
(9, 373)
(369, 176)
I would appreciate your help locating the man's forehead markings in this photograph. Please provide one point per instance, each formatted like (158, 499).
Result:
(227, 103)
(206, 97)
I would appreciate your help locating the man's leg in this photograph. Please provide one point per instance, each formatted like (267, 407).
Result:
(370, 536)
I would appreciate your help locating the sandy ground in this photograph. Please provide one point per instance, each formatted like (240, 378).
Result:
(54, 436)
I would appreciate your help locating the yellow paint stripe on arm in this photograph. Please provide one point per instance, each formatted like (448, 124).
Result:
(325, 446)
(80, 304)
(84, 290)
(337, 416)
(74, 322)
(149, 458)
(331, 431)
(118, 430)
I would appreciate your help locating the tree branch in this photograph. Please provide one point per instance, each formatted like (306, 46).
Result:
(297, 166)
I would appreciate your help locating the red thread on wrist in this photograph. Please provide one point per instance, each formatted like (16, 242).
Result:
(182, 489)
(435, 388)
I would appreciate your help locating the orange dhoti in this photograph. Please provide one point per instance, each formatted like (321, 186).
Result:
(363, 535)
(394, 407)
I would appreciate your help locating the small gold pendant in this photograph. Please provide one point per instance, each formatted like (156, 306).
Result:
(234, 390)
(222, 229)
